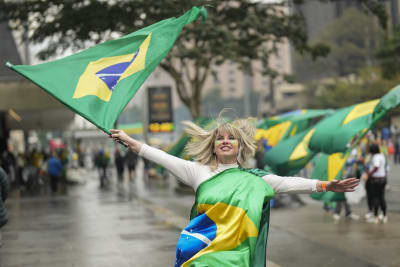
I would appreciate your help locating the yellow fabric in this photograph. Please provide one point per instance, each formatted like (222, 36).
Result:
(90, 84)
(361, 110)
(301, 149)
(233, 227)
(335, 163)
(293, 131)
(273, 134)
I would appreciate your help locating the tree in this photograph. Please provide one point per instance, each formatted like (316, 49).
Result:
(367, 85)
(353, 40)
(389, 55)
(237, 30)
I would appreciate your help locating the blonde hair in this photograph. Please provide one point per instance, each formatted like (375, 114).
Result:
(201, 145)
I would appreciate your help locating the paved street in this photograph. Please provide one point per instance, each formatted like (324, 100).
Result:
(138, 225)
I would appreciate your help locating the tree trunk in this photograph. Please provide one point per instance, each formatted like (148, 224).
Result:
(189, 90)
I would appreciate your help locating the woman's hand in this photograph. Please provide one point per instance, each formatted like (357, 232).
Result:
(119, 135)
(123, 137)
(345, 185)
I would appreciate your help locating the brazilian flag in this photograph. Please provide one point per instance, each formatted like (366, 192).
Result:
(345, 127)
(99, 82)
(229, 221)
(278, 128)
(290, 155)
(328, 168)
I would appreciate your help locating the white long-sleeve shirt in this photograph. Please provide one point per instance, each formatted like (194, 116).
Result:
(193, 173)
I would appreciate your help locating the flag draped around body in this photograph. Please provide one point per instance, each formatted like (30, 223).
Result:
(229, 221)
(99, 82)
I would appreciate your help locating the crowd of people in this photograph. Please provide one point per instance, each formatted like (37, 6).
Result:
(369, 162)
(29, 171)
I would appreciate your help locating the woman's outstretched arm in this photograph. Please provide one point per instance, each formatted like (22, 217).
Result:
(297, 185)
(184, 170)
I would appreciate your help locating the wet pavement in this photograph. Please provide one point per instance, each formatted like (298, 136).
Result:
(138, 224)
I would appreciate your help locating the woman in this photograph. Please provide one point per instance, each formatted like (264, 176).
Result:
(229, 220)
(377, 183)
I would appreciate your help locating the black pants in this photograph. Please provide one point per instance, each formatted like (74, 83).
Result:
(368, 190)
(53, 183)
(339, 205)
(378, 195)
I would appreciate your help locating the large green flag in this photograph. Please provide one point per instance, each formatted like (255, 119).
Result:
(328, 168)
(99, 82)
(278, 128)
(294, 116)
(388, 101)
(339, 131)
(291, 155)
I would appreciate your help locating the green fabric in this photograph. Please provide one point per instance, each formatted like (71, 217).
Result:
(244, 189)
(320, 172)
(296, 116)
(332, 136)
(278, 158)
(62, 78)
(388, 101)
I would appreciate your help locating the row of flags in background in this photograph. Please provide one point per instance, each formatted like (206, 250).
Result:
(333, 138)
(293, 139)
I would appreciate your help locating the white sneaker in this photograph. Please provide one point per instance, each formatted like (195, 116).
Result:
(383, 219)
(336, 217)
(353, 216)
(373, 220)
(369, 215)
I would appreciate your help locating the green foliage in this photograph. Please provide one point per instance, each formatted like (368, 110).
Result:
(353, 40)
(368, 85)
(389, 55)
(236, 30)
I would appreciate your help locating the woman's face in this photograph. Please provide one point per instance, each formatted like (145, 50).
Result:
(226, 147)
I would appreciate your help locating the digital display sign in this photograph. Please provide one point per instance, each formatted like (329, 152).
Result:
(160, 109)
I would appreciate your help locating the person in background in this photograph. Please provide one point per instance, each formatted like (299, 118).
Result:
(119, 161)
(20, 163)
(385, 136)
(396, 143)
(131, 159)
(341, 200)
(54, 170)
(4, 187)
(377, 182)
